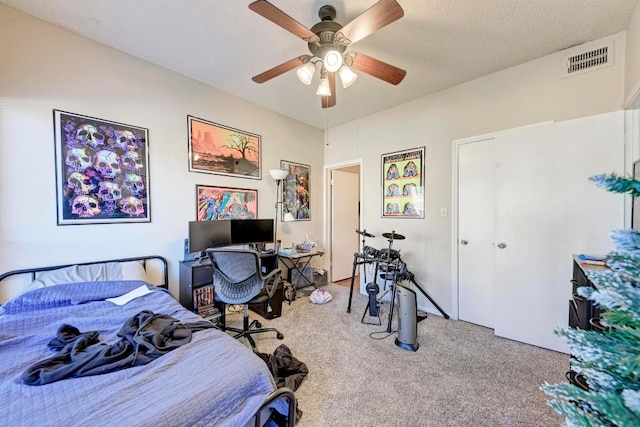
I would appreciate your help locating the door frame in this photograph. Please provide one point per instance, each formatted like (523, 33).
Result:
(632, 142)
(326, 195)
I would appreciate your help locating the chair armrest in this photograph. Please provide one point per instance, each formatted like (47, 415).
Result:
(267, 277)
(271, 281)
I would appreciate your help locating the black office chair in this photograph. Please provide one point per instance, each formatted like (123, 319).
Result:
(238, 279)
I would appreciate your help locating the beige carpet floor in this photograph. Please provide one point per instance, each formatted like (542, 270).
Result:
(462, 374)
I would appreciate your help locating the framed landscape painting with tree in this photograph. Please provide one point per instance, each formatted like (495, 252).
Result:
(222, 150)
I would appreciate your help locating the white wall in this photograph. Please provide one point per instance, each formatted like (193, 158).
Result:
(528, 93)
(632, 59)
(43, 67)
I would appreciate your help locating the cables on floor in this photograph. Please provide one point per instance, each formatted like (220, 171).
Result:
(373, 335)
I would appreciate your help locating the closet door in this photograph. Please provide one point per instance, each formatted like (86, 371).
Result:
(475, 230)
(525, 205)
(546, 209)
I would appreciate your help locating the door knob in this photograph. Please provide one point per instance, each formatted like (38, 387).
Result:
(502, 245)
(463, 242)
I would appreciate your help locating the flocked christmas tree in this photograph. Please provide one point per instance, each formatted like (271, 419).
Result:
(609, 359)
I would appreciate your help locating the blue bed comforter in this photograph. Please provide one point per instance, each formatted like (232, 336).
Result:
(213, 380)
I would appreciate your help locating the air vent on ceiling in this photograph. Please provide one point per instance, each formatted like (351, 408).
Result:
(594, 59)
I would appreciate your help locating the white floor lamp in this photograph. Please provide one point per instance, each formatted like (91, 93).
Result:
(279, 175)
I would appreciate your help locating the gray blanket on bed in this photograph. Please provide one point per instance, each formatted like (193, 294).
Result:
(143, 338)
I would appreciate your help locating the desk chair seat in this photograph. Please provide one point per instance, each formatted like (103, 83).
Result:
(238, 279)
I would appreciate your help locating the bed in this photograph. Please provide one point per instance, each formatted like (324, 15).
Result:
(213, 380)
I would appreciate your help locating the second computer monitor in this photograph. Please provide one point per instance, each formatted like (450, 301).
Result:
(251, 231)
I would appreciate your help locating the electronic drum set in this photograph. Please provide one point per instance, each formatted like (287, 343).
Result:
(394, 272)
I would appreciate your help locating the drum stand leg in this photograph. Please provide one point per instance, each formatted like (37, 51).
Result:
(356, 256)
(353, 276)
(412, 279)
(393, 299)
(389, 286)
(407, 275)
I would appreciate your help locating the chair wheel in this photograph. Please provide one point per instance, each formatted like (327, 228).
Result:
(280, 336)
(258, 325)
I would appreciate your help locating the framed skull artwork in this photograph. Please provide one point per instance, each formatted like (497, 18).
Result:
(102, 170)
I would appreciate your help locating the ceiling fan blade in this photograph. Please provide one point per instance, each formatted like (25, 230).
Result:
(330, 101)
(278, 17)
(377, 16)
(378, 69)
(281, 69)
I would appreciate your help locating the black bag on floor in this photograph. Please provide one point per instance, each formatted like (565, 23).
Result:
(289, 292)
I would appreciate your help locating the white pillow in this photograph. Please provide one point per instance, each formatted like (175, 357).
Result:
(133, 270)
(78, 274)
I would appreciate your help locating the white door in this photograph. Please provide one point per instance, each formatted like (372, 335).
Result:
(475, 232)
(345, 190)
(546, 209)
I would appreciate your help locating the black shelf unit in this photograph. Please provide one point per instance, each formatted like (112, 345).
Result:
(583, 313)
(196, 284)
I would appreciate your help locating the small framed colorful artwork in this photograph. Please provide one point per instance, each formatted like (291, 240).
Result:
(213, 203)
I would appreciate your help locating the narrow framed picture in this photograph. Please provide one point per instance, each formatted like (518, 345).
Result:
(213, 203)
(403, 184)
(296, 195)
(635, 203)
(222, 150)
(102, 170)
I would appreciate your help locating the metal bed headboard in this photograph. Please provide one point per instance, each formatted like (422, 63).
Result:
(33, 271)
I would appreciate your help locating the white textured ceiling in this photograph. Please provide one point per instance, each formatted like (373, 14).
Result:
(440, 43)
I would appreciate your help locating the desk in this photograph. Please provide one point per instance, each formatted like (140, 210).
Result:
(298, 262)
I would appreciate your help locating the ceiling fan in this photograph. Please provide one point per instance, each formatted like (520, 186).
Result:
(328, 41)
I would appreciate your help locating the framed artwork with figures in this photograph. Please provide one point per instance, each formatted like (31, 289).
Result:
(102, 170)
(403, 184)
(296, 195)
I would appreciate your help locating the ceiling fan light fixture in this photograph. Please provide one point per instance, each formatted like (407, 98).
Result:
(323, 87)
(328, 41)
(332, 61)
(306, 72)
(347, 76)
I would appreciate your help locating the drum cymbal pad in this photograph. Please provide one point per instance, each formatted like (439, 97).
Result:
(364, 233)
(393, 236)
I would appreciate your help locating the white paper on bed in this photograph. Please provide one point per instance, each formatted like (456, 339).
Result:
(137, 292)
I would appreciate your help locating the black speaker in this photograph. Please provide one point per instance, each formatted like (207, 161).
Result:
(187, 255)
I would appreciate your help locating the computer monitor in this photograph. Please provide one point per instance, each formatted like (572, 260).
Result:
(244, 231)
(209, 234)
